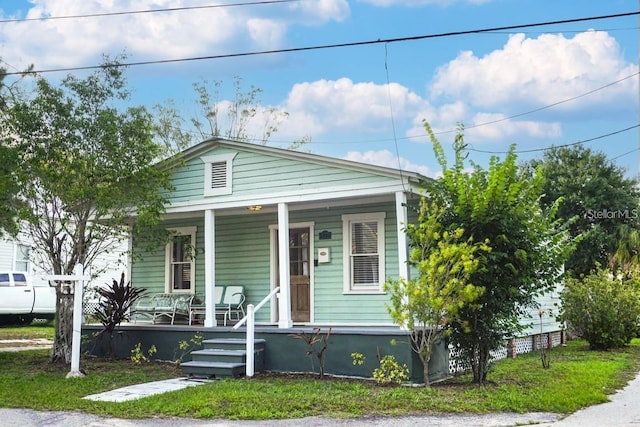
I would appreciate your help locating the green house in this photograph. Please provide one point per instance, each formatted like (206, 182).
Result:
(342, 222)
(235, 202)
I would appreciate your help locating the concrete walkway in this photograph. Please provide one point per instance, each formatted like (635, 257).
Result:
(138, 391)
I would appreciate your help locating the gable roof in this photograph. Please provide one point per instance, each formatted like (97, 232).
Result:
(216, 142)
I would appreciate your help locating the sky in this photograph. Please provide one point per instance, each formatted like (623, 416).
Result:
(536, 86)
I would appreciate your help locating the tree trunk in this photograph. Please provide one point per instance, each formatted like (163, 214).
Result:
(481, 363)
(64, 324)
(425, 373)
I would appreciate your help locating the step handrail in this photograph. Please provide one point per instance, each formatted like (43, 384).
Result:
(250, 319)
(257, 307)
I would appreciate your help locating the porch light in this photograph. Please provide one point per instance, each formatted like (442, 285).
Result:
(255, 208)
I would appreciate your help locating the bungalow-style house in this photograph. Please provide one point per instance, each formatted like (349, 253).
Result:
(235, 202)
(342, 222)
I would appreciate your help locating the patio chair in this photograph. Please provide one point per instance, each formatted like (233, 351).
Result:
(232, 303)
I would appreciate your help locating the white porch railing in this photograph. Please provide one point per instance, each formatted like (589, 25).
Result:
(250, 319)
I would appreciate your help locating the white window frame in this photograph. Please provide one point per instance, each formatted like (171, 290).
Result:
(22, 256)
(209, 161)
(180, 231)
(347, 221)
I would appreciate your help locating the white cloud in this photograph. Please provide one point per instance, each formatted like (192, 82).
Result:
(344, 106)
(528, 74)
(538, 72)
(388, 159)
(151, 36)
(497, 127)
(321, 11)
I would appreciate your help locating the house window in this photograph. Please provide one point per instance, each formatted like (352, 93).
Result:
(218, 174)
(23, 254)
(180, 261)
(363, 252)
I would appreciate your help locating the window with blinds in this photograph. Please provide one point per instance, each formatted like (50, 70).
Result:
(364, 252)
(180, 260)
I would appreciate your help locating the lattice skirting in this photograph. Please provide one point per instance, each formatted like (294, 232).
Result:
(511, 348)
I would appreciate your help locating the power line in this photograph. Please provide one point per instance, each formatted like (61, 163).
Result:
(542, 108)
(442, 132)
(134, 12)
(534, 150)
(331, 46)
(624, 154)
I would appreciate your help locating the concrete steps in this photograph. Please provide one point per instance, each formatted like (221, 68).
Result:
(223, 358)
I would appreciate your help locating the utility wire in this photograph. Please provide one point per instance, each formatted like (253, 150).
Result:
(134, 12)
(331, 46)
(442, 132)
(624, 154)
(534, 150)
(541, 108)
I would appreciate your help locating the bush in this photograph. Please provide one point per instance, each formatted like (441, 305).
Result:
(390, 371)
(603, 308)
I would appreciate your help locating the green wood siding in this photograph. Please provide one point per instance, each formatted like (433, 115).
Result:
(258, 174)
(331, 304)
(148, 268)
(243, 258)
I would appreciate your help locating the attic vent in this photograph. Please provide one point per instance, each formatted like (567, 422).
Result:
(218, 174)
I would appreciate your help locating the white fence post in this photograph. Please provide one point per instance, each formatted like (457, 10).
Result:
(251, 317)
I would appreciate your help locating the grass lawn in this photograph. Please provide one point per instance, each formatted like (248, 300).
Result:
(577, 378)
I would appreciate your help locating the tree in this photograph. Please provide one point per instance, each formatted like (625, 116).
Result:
(604, 206)
(502, 206)
(234, 119)
(10, 204)
(88, 168)
(428, 303)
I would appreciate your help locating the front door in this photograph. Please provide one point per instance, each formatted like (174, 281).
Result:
(300, 272)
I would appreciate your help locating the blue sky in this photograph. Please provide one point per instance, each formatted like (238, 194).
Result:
(535, 87)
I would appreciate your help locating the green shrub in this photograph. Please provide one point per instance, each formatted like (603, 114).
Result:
(390, 371)
(603, 308)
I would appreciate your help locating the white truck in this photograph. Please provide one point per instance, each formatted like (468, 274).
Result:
(21, 301)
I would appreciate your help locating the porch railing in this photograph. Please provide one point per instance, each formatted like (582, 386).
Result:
(250, 319)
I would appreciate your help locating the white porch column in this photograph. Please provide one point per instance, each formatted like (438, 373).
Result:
(401, 216)
(284, 303)
(209, 267)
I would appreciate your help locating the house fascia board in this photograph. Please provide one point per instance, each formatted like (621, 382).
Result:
(315, 195)
(209, 144)
(273, 208)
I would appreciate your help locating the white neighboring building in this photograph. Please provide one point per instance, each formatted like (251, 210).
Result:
(19, 254)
